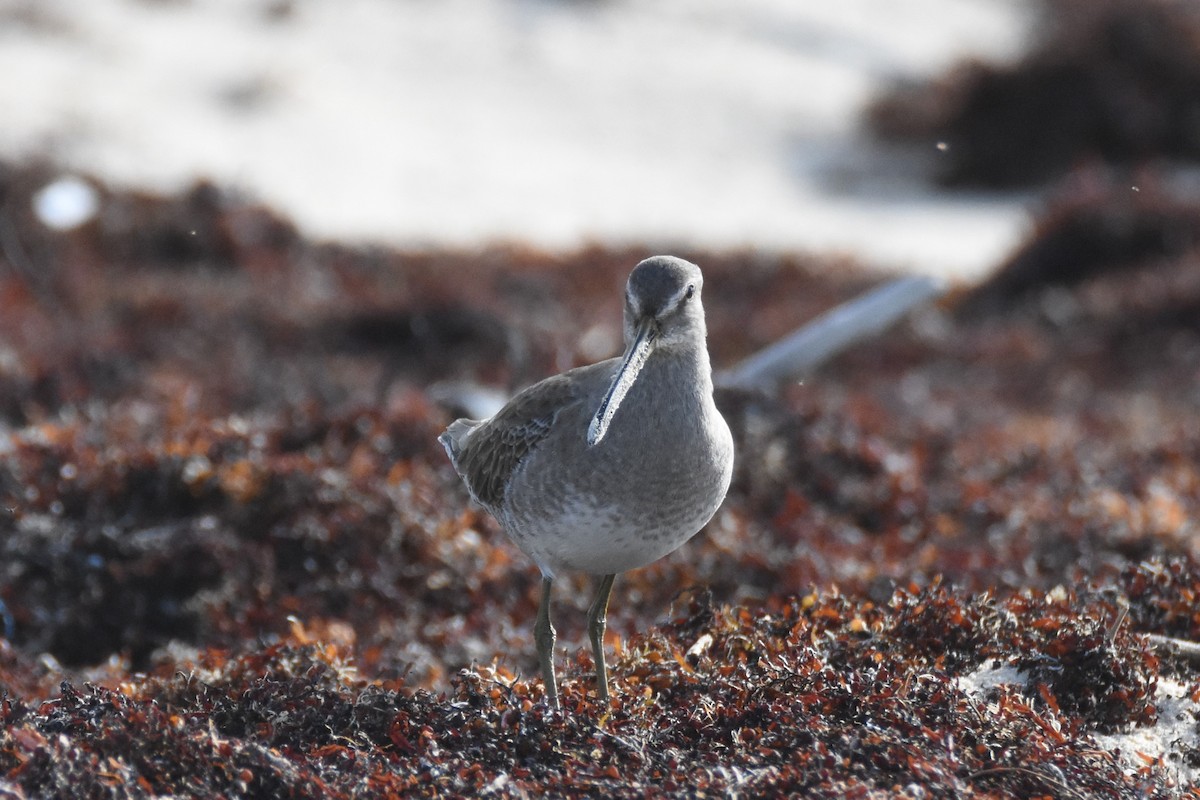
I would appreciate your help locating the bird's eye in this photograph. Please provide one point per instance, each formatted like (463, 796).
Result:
(691, 290)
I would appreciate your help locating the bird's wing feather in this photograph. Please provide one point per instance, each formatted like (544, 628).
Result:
(487, 453)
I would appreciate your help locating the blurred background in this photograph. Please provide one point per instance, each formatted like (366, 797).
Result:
(255, 254)
(708, 123)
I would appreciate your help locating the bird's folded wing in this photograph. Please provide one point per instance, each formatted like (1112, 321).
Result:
(491, 451)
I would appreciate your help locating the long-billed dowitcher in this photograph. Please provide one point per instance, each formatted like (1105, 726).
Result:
(608, 467)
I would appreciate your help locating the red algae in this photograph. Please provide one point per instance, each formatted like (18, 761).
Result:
(783, 701)
(235, 562)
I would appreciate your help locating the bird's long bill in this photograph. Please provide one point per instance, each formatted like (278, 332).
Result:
(635, 358)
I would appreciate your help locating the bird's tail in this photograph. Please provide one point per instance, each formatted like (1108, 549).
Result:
(455, 436)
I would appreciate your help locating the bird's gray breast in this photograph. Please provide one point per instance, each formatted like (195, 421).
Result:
(647, 488)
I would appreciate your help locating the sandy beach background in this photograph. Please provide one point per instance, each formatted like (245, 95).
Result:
(465, 122)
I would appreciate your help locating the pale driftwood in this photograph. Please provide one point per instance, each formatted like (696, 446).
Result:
(1179, 648)
(811, 345)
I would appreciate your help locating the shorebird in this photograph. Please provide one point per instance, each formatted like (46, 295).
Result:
(608, 467)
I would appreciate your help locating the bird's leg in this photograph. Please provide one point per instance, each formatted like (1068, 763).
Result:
(597, 621)
(543, 635)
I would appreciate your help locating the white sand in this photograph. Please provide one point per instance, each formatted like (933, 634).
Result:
(700, 122)
(1168, 741)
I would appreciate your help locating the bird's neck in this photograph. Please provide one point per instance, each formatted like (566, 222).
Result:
(683, 367)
